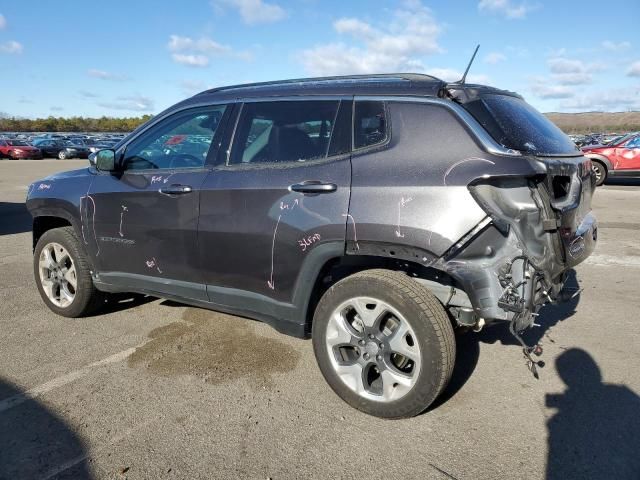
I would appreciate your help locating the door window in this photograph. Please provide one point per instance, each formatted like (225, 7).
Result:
(285, 131)
(369, 124)
(180, 141)
(633, 143)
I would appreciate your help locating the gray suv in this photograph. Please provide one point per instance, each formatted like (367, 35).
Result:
(372, 213)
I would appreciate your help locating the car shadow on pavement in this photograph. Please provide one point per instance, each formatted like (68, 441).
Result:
(14, 218)
(595, 431)
(468, 344)
(35, 442)
(116, 302)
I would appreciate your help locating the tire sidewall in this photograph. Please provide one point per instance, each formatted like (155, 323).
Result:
(82, 293)
(426, 388)
(603, 171)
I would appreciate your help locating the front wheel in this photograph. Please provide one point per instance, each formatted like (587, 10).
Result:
(62, 155)
(63, 274)
(600, 171)
(384, 343)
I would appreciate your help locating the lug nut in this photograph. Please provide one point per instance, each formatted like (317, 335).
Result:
(365, 356)
(371, 336)
(379, 357)
(362, 342)
(381, 346)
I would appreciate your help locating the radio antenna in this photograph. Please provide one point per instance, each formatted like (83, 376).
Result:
(464, 77)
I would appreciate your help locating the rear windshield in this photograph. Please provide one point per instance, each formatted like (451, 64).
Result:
(515, 124)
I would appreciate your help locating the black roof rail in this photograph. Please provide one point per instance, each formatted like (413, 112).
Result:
(412, 77)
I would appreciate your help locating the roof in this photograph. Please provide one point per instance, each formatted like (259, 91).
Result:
(385, 84)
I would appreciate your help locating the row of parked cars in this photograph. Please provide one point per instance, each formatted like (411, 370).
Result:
(52, 145)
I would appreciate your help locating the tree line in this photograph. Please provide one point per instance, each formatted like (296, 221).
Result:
(71, 124)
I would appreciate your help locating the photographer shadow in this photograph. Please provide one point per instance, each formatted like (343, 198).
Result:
(595, 432)
(35, 442)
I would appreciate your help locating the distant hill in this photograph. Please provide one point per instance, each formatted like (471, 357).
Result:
(588, 122)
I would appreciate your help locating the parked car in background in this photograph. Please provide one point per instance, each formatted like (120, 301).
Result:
(619, 158)
(61, 149)
(18, 149)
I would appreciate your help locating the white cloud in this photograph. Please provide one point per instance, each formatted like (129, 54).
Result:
(565, 65)
(137, 103)
(614, 100)
(581, 78)
(3, 22)
(102, 75)
(87, 94)
(634, 69)
(11, 47)
(546, 91)
(615, 47)
(506, 8)
(494, 57)
(56, 109)
(255, 11)
(409, 33)
(190, 60)
(198, 52)
(202, 45)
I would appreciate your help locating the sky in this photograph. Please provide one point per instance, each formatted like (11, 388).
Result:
(128, 58)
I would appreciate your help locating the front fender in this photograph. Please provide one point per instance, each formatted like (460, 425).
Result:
(601, 158)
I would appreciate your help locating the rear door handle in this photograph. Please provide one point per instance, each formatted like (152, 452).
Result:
(176, 189)
(313, 186)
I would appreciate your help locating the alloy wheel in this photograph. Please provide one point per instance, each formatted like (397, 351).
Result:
(373, 349)
(57, 274)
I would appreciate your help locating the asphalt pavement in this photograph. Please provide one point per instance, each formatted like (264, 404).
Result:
(152, 389)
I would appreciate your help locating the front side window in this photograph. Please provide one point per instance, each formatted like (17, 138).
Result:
(180, 141)
(284, 131)
(369, 124)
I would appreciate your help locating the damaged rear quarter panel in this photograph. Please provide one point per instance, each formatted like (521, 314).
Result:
(413, 193)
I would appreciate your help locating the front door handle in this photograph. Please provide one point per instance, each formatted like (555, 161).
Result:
(176, 189)
(313, 186)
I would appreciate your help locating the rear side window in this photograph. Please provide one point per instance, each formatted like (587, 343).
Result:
(369, 124)
(284, 131)
(514, 123)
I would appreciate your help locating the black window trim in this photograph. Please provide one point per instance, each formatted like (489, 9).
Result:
(263, 165)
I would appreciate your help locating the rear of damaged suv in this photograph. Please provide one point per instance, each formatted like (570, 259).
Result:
(539, 222)
(487, 202)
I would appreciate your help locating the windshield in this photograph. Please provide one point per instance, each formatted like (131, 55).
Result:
(515, 124)
(17, 143)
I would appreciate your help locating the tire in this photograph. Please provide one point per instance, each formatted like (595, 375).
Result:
(600, 170)
(85, 298)
(402, 316)
(62, 155)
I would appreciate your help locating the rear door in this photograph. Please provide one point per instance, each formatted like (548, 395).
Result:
(141, 222)
(277, 203)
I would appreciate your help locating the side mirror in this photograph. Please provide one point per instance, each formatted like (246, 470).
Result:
(106, 160)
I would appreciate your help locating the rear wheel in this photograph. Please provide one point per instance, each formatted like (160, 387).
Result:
(383, 343)
(62, 155)
(63, 274)
(600, 171)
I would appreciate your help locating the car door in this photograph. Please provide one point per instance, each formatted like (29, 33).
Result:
(277, 203)
(141, 221)
(628, 155)
(46, 147)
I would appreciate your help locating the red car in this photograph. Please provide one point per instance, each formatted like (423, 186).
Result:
(620, 158)
(18, 149)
